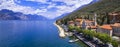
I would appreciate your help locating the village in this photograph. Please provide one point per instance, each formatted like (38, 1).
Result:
(83, 28)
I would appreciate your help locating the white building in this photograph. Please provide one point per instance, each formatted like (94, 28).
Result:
(105, 29)
(116, 29)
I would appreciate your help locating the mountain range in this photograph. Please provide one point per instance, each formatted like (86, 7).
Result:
(10, 15)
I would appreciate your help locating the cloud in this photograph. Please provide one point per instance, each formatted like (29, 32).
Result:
(51, 11)
(42, 1)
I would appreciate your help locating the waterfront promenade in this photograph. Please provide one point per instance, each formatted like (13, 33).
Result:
(86, 42)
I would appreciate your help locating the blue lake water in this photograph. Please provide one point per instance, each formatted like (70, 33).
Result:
(31, 34)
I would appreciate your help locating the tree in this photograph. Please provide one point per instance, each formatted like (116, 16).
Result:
(104, 37)
(89, 34)
(114, 43)
(70, 28)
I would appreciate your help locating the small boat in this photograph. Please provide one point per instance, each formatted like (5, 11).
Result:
(71, 41)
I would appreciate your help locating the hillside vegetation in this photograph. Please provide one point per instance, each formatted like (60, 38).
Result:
(101, 8)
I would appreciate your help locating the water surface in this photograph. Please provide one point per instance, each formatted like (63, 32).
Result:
(31, 34)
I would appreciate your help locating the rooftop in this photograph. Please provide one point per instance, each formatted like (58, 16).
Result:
(78, 19)
(106, 27)
(93, 27)
(70, 22)
(114, 13)
(88, 21)
(116, 25)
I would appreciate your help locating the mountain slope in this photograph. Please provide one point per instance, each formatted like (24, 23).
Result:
(10, 15)
(102, 8)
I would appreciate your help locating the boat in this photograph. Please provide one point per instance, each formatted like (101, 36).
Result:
(71, 41)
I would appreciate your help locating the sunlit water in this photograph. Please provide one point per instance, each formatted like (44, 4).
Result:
(31, 34)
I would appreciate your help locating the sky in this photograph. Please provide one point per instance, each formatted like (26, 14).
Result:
(46, 8)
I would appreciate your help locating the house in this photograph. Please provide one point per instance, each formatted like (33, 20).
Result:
(71, 23)
(92, 28)
(90, 24)
(116, 29)
(114, 17)
(78, 22)
(105, 29)
(87, 24)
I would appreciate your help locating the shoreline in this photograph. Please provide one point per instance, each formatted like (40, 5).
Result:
(62, 34)
(85, 42)
(61, 30)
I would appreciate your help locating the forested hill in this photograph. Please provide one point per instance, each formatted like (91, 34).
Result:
(102, 8)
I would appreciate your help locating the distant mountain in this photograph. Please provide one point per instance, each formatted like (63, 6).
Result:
(10, 15)
(63, 15)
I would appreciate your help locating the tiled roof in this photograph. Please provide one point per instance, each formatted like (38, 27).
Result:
(70, 22)
(114, 13)
(93, 27)
(78, 19)
(116, 25)
(106, 27)
(88, 21)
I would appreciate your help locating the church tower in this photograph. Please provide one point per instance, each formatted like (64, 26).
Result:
(95, 19)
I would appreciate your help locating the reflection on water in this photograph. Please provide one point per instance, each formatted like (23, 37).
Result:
(31, 34)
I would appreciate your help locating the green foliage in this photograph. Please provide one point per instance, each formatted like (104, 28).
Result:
(78, 29)
(104, 37)
(70, 28)
(89, 33)
(102, 8)
(114, 43)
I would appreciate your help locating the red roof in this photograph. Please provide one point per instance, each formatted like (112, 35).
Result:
(107, 27)
(78, 20)
(70, 22)
(116, 25)
(114, 13)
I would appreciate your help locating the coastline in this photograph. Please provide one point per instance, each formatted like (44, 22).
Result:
(61, 30)
(63, 34)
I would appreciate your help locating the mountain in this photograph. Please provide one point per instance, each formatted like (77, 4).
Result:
(101, 8)
(10, 15)
(63, 15)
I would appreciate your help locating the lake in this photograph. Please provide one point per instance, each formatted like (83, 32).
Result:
(32, 34)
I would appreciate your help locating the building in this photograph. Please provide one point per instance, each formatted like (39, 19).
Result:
(90, 24)
(116, 29)
(87, 24)
(105, 29)
(94, 28)
(71, 23)
(114, 17)
(78, 22)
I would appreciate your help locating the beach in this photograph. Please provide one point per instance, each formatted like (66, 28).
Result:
(61, 30)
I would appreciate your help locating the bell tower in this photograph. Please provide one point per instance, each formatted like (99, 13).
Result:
(95, 19)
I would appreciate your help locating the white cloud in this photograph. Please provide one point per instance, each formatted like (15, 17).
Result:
(61, 9)
(42, 1)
